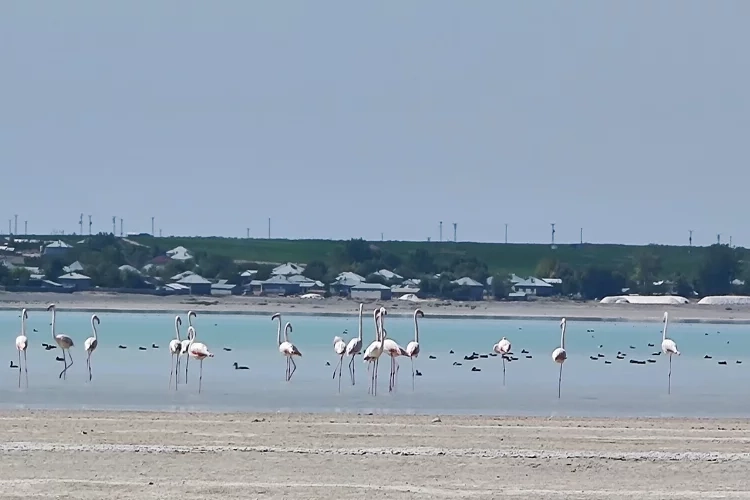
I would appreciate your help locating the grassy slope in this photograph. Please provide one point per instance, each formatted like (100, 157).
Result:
(519, 258)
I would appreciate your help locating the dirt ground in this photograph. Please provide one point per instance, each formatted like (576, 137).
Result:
(138, 455)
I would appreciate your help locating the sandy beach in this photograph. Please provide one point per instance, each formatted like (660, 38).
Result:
(94, 455)
(591, 311)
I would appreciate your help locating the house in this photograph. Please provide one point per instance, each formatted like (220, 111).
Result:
(389, 275)
(400, 291)
(248, 275)
(225, 288)
(56, 249)
(348, 275)
(125, 268)
(556, 284)
(287, 269)
(75, 280)
(534, 286)
(75, 267)
(344, 287)
(312, 286)
(179, 253)
(370, 291)
(476, 289)
(279, 285)
(412, 282)
(179, 276)
(198, 284)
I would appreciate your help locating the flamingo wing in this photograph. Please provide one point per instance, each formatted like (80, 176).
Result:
(21, 342)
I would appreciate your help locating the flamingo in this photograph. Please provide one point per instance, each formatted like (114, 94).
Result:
(373, 353)
(90, 345)
(668, 347)
(175, 347)
(394, 350)
(559, 355)
(22, 342)
(198, 351)
(502, 348)
(64, 342)
(186, 343)
(354, 346)
(412, 348)
(339, 347)
(286, 348)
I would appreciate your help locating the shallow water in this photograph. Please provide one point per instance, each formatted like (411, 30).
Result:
(134, 379)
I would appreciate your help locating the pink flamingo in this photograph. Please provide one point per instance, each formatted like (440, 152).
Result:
(22, 343)
(559, 355)
(393, 350)
(502, 348)
(64, 342)
(287, 348)
(669, 348)
(354, 346)
(412, 348)
(339, 347)
(198, 351)
(373, 353)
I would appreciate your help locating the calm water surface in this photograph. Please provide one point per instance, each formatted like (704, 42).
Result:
(134, 379)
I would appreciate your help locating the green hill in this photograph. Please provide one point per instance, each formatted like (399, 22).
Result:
(519, 258)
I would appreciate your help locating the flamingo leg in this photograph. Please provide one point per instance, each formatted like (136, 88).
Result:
(177, 372)
(200, 378)
(412, 374)
(375, 375)
(335, 368)
(171, 371)
(26, 368)
(669, 377)
(351, 368)
(88, 362)
(341, 366)
(19, 368)
(294, 367)
(503, 369)
(286, 373)
(65, 362)
(559, 382)
(187, 362)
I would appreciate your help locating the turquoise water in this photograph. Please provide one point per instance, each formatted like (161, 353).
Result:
(134, 379)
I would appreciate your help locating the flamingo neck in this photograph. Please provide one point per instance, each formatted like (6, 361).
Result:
(278, 331)
(562, 337)
(23, 324)
(664, 331)
(93, 327)
(177, 330)
(53, 324)
(286, 332)
(416, 329)
(359, 334)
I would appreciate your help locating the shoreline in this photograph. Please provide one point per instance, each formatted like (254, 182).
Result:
(339, 307)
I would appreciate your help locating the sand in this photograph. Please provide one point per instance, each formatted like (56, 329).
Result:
(134, 455)
(547, 309)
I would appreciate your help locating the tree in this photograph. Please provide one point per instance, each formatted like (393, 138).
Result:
(421, 261)
(647, 269)
(682, 287)
(316, 270)
(717, 269)
(500, 286)
(547, 268)
(53, 268)
(598, 282)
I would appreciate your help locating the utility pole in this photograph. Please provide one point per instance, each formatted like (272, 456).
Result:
(718, 239)
(121, 233)
(441, 231)
(159, 232)
(89, 225)
(80, 224)
(730, 241)
(381, 236)
(553, 233)
(152, 226)
(269, 228)
(581, 236)
(26, 228)
(248, 232)
(690, 238)
(455, 225)
(114, 226)
(15, 226)
(506, 233)
(10, 221)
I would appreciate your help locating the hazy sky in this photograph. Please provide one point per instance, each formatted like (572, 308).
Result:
(342, 119)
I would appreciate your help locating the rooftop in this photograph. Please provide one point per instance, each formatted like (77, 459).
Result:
(74, 276)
